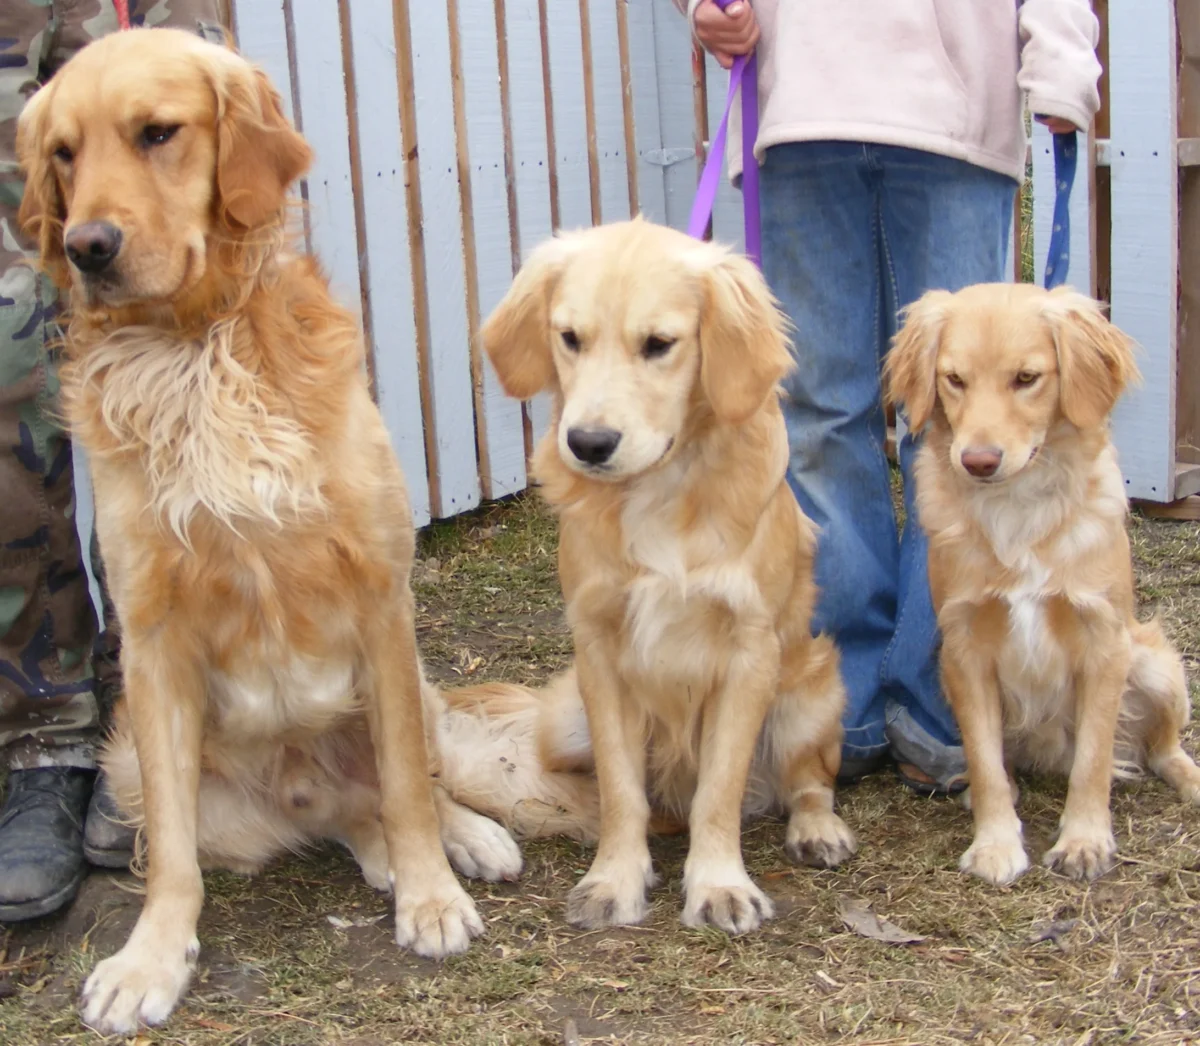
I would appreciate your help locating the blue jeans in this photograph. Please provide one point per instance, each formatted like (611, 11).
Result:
(852, 233)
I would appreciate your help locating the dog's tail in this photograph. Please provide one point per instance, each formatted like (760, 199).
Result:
(519, 755)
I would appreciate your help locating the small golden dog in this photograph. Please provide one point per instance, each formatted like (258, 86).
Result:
(1043, 661)
(685, 562)
(254, 522)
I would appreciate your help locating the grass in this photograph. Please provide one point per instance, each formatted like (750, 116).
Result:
(1043, 961)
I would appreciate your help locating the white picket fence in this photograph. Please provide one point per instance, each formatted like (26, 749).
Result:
(451, 136)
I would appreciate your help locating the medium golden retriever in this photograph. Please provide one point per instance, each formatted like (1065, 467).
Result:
(1018, 488)
(254, 521)
(685, 562)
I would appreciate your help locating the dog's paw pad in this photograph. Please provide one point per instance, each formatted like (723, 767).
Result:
(819, 840)
(1082, 856)
(483, 849)
(997, 862)
(137, 985)
(734, 908)
(598, 901)
(437, 923)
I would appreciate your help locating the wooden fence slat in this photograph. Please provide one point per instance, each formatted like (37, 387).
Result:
(493, 249)
(1145, 243)
(261, 33)
(322, 101)
(570, 114)
(651, 158)
(442, 237)
(673, 58)
(531, 158)
(385, 213)
(572, 186)
(608, 110)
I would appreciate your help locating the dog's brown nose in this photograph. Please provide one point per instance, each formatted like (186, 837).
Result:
(982, 461)
(92, 246)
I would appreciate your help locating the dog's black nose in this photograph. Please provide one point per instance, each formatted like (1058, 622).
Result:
(593, 446)
(92, 246)
(982, 461)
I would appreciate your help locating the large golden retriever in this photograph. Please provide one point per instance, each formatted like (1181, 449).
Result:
(1018, 488)
(254, 522)
(685, 562)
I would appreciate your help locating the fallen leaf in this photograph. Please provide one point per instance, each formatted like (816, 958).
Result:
(616, 985)
(204, 1022)
(858, 916)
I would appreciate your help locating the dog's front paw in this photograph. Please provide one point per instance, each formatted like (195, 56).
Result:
(822, 840)
(479, 848)
(437, 922)
(1082, 855)
(611, 896)
(139, 984)
(996, 859)
(727, 899)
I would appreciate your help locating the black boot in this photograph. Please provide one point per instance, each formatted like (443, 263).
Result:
(108, 839)
(41, 840)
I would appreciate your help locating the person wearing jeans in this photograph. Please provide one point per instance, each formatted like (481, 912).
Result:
(891, 141)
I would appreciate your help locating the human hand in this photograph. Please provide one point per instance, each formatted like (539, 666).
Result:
(726, 34)
(1056, 124)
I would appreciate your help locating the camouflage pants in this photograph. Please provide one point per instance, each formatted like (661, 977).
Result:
(53, 663)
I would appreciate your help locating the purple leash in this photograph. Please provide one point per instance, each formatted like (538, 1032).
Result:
(744, 74)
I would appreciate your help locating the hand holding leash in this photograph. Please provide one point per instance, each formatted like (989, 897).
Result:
(744, 74)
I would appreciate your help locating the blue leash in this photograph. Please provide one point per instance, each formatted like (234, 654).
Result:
(1058, 258)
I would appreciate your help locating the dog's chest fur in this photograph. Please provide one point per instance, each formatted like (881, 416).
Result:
(288, 693)
(1038, 537)
(683, 597)
(250, 559)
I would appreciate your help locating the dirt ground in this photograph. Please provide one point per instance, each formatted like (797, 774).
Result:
(303, 954)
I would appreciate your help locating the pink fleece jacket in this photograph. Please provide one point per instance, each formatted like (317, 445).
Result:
(945, 76)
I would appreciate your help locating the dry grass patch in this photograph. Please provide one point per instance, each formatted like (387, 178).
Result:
(1044, 961)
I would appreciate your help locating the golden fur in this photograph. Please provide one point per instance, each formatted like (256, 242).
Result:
(1043, 660)
(255, 526)
(685, 562)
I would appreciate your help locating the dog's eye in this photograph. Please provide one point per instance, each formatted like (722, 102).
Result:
(157, 134)
(1025, 378)
(655, 347)
(954, 381)
(570, 340)
(64, 154)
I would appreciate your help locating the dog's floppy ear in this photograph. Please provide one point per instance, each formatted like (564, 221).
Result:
(743, 336)
(1095, 358)
(516, 336)
(259, 153)
(42, 212)
(910, 369)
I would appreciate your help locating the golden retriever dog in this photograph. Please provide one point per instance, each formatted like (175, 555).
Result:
(1043, 661)
(685, 562)
(254, 521)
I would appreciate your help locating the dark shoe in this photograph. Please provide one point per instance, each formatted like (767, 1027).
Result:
(107, 841)
(920, 782)
(855, 769)
(41, 840)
